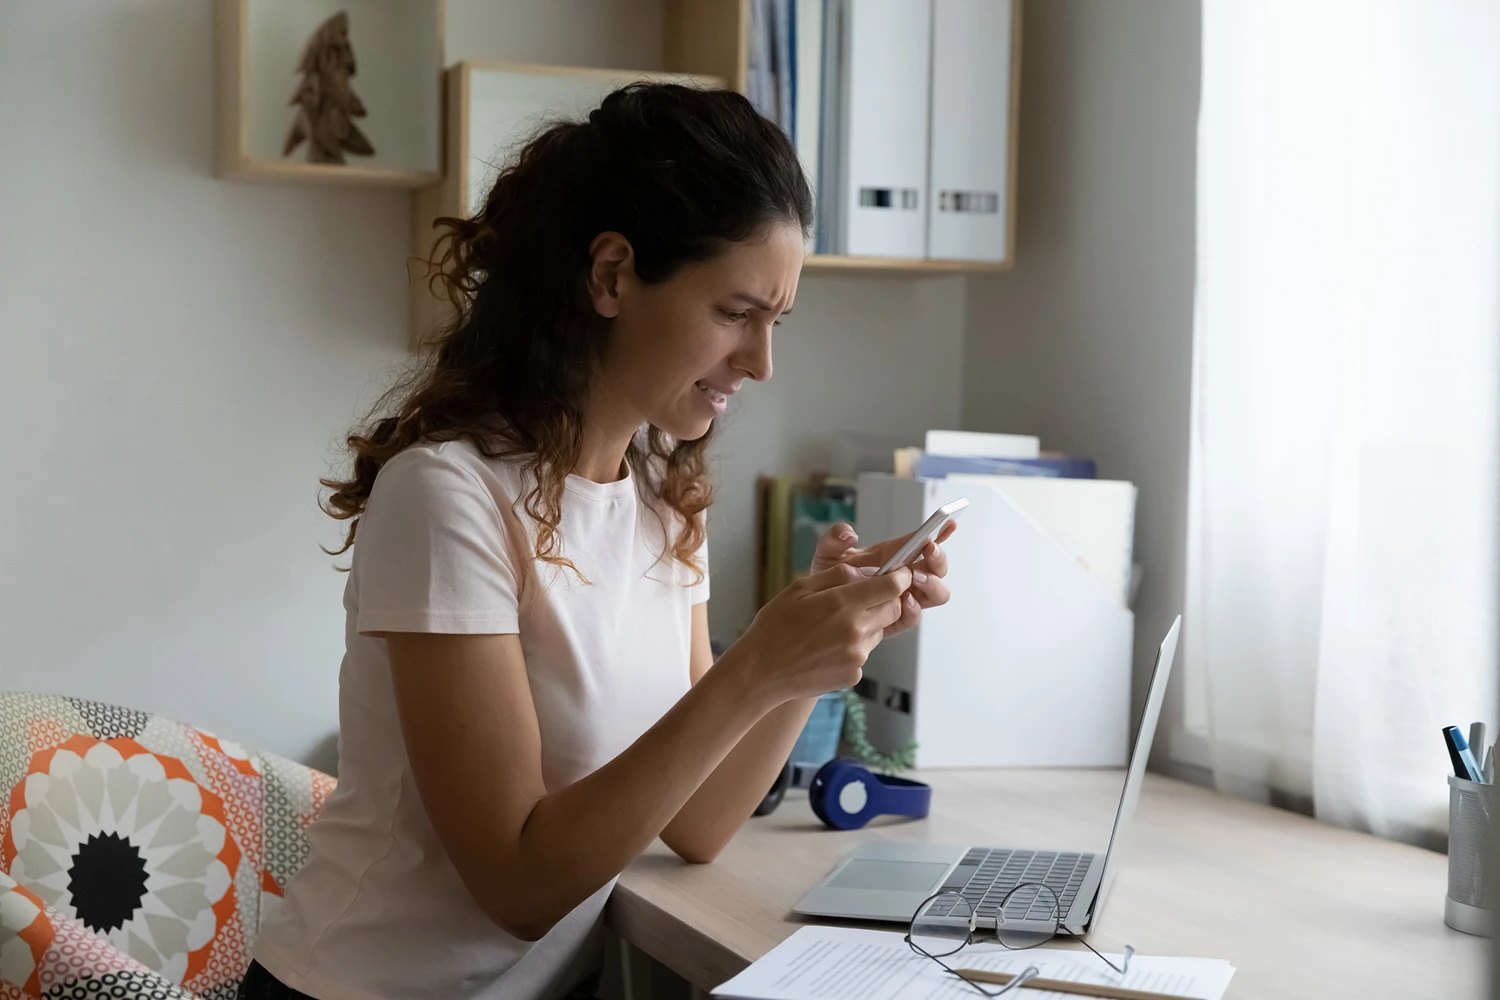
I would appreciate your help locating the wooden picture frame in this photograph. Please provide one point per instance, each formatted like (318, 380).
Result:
(398, 50)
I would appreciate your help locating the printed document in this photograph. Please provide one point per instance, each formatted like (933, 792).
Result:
(844, 963)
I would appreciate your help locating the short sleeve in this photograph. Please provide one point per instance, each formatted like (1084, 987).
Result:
(698, 592)
(430, 554)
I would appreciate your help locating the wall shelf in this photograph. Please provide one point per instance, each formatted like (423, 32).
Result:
(350, 175)
(851, 264)
(398, 51)
(705, 43)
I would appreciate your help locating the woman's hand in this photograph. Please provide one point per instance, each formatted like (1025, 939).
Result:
(838, 546)
(815, 635)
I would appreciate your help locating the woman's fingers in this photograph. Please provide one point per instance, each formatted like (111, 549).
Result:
(872, 592)
(927, 588)
(837, 575)
(835, 544)
(931, 592)
(877, 554)
(927, 578)
(909, 618)
(947, 532)
(934, 560)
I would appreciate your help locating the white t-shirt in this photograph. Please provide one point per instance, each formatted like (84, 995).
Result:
(378, 910)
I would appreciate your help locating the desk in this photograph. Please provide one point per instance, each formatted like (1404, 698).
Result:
(1300, 908)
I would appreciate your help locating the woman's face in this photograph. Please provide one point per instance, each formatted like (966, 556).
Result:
(679, 348)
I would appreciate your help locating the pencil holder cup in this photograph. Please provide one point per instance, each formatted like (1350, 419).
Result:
(1472, 869)
(819, 742)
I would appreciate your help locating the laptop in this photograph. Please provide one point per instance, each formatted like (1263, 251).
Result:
(887, 881)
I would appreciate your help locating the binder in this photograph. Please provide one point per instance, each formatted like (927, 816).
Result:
(829, 231)
(781, 68)
(769, 79)
(968, 203)
(760, 85)
(887, 53)
(807, 108)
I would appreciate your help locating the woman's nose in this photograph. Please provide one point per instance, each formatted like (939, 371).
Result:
(754, 359)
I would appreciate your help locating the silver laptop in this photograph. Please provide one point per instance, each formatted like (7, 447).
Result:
(888, 881)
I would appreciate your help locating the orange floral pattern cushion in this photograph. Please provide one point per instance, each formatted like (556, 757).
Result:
(149, 848)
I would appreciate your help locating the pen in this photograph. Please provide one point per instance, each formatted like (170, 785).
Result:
(1065, 986)
(1489, 767)
(1476, 741)
(1458, 751)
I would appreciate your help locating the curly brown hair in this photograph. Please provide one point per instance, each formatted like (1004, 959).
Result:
(679, 172)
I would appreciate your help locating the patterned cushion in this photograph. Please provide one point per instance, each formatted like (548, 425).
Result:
(153, 841)
(47, 955)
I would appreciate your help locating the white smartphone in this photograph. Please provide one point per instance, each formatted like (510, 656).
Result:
(909, 553)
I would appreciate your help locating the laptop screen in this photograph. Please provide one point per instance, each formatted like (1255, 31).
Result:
(1138, 756)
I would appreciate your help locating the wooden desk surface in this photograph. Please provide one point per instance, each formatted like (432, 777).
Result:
(1301, 909)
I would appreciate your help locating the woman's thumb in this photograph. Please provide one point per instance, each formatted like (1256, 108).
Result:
(836, 541)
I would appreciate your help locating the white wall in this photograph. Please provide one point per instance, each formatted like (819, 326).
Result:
(181, 356)
(1088, 341)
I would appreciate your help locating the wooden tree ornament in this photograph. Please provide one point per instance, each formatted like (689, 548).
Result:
(326, 104)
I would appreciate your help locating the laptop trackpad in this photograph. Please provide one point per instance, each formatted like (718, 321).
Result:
(898, 876)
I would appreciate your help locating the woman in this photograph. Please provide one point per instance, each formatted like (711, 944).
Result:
(528, 697)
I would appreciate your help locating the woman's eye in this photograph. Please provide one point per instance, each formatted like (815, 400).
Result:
(733, 317)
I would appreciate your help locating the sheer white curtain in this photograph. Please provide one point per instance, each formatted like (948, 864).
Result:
(1342, 551)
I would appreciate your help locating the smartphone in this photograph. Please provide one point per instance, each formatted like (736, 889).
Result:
(912, 550)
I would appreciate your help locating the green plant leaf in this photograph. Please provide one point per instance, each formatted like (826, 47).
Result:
(856, 735)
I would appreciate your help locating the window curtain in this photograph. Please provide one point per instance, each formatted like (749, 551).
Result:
(1343, 479)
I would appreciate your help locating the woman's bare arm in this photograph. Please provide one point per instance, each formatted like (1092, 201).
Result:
(729, 796)
(529, 857)
(720, 806)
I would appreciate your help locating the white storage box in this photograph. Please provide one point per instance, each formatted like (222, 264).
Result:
(1029, 664)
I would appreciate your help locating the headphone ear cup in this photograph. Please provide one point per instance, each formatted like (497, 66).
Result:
(818, 791)
(777, 793)
(827, 784)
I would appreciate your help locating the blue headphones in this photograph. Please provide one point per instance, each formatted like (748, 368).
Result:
(882, 795)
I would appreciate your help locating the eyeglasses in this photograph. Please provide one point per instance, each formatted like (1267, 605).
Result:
(1027, 917)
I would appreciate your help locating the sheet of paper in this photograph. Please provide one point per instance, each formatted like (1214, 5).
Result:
(843, 963)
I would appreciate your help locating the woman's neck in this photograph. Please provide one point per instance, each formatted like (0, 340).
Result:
(608, 430)
(602, 465)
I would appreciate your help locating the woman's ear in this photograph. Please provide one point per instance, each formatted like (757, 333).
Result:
(613, 260)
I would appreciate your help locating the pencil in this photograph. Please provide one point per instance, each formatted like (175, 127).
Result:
(1067, 986)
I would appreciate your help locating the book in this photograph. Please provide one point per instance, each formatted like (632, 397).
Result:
(793, 512)
(938, 466)
(978, 444)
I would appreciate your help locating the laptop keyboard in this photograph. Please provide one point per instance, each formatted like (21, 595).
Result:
(984, 876)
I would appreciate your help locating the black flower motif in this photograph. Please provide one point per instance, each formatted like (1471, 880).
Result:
(107, 881)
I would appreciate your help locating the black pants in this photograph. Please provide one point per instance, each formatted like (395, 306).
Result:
(259, 984)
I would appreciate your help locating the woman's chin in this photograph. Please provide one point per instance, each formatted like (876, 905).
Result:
(690, 429)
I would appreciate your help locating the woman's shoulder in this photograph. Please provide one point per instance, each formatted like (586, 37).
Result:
(447, 465)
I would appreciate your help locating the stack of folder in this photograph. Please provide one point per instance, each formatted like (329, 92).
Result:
(901, 113)
(1039, 623)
